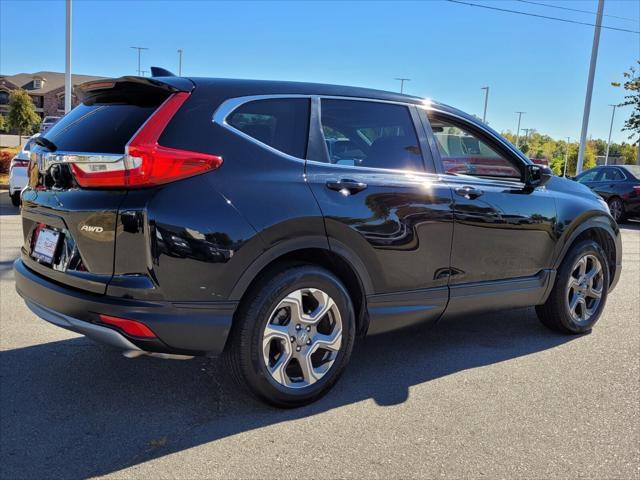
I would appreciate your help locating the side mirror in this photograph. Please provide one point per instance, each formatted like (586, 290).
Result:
(536, 176)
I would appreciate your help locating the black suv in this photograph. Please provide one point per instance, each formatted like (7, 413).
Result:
(276, 222)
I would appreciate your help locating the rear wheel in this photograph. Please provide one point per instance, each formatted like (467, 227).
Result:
(15, 199)
(580, 291)
(293, 337)
(616, 207)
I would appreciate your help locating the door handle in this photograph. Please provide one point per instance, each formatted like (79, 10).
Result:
(468, 192)
(346, 186)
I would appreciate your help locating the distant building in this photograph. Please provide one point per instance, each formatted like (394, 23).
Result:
(45, 88)
(612, 160)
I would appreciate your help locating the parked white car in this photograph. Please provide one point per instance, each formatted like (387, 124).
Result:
(19, 171)
(48, 122)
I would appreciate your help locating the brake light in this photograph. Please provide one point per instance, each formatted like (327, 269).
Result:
(19, 163)
(146, 163)
(130, 327)
(636, 188)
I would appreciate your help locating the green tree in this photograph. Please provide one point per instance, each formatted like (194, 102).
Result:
(22, 115)
(632, 85)
(3, 124)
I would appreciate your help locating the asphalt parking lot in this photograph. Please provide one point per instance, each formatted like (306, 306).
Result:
(493, 396)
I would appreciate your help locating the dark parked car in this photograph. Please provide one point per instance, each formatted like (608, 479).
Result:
(175, 217)
(619, 185)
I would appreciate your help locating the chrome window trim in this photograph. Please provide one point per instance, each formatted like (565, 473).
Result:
(227, 107)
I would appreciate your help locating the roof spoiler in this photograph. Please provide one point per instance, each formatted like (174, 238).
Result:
(161, 72)
(170, 84)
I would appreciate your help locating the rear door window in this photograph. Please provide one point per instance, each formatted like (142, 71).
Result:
(281, 123)
(612, 175)
(370, 134)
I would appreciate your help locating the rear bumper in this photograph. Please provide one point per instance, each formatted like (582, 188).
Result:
(181, 328)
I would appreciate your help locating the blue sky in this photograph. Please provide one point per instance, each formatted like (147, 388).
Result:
(448, 50)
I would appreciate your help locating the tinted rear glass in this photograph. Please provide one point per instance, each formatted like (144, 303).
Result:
(281, 123)
(100, 128)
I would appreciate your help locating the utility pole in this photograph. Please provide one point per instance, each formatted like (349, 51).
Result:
(526, 134)
(518, 131)
(402, 80)
(566, 157)
(67, 65)
(587, 100)
(139, 50)
(180, 62)
(606, 156)
(143, 72)
(486, 101)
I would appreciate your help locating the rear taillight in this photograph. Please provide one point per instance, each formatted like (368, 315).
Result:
(19, 163)
(146, 163)
(636, 188)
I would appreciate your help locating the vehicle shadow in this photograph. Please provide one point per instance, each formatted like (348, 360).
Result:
(6, 207)
(630, 225)
(76, 409)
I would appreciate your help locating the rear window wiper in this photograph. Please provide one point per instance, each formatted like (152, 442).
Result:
(48, 144)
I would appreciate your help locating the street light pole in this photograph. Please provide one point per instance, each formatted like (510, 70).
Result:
(486, 101)
(139, 50)
(566, 157)
(613, 113)
(402, 80)
(518, 131)
(67, 65)
(180, 62)
(587, 100)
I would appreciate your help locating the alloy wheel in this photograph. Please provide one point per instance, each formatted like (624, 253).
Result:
(615, 207)
(584, 289)
(302, 338)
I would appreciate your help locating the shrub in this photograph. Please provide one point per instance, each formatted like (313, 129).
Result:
(5, 160)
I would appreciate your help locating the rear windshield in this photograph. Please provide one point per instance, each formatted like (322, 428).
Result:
(99, 127)
(634, 169)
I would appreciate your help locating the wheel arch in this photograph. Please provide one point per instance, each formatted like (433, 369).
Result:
(605, 233)
(339, 260)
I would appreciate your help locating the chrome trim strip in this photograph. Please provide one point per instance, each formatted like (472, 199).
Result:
(45, 159)
(228, 106)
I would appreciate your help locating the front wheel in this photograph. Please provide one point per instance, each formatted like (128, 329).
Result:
(580, 291)
(293, 336)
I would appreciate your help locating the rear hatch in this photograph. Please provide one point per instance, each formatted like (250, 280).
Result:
(81, 169)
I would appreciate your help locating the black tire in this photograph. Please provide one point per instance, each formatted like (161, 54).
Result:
(555, 312)
(243, 353)
(15, 199)
(616, 207)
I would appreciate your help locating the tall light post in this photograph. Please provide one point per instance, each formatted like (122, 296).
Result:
(486, 101)
(613, 113)
(587, 100)
(402, 80)
(518, 131)
(566, 157)
(180, 62)
(139, 50)
(67, 64)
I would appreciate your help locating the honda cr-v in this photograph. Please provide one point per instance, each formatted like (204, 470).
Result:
(278, 222)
